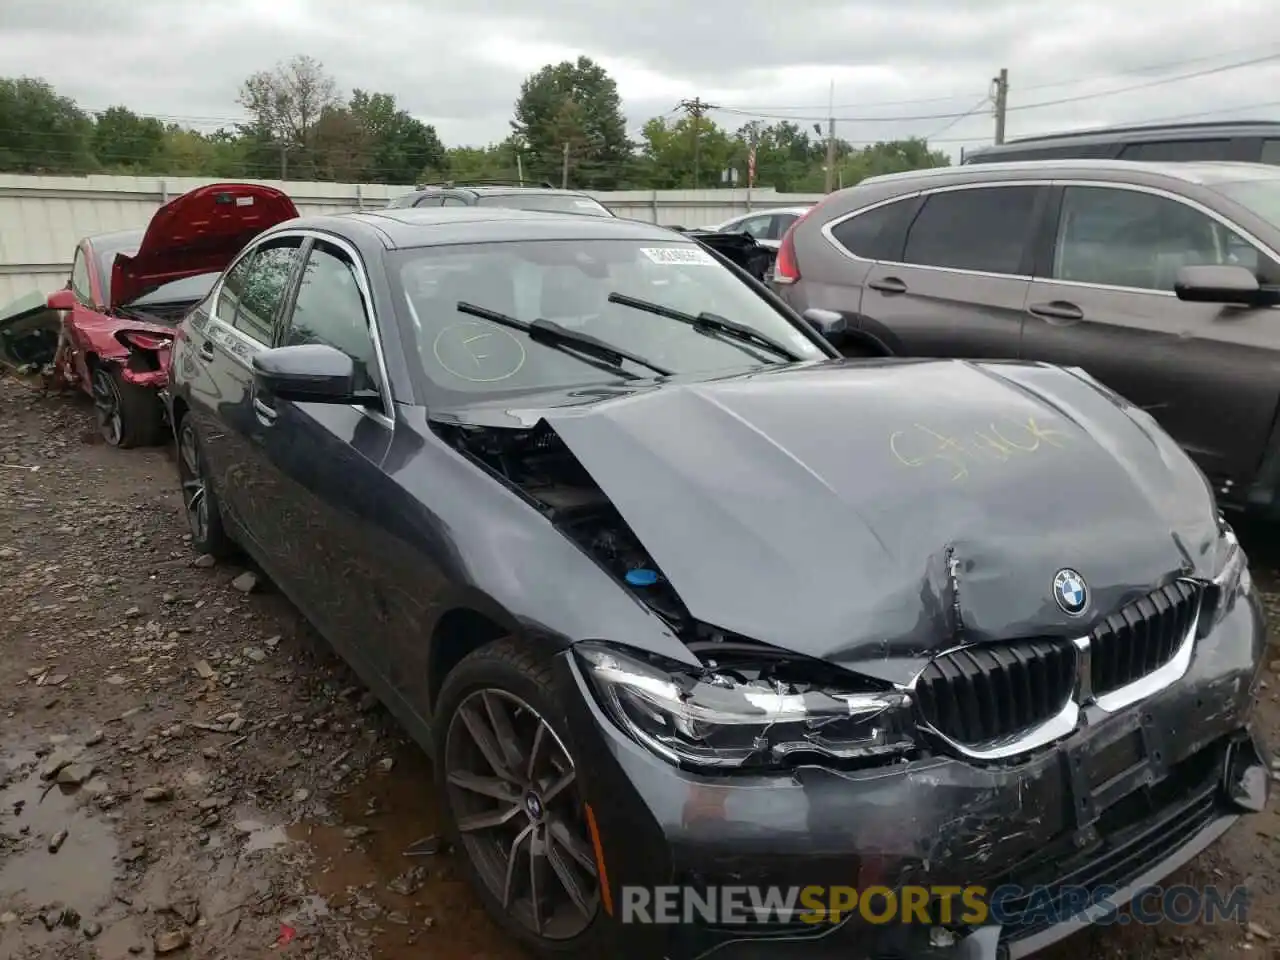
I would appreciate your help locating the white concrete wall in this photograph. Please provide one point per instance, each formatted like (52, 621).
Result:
(43, 218)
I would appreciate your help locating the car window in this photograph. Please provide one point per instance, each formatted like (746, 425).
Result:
(875, 234)
(569, 282)
(760, 227)
(453, 202)
(1270, 151)
(985, 229)
(430, 200)
(330, 309)
(1130, 238)
(782, 223)
(254, 289)
(80, 277)
(1179, 151)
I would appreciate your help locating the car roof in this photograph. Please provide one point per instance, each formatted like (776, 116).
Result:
(801, 208)
(1203, 173)
(499, 190)
(1138, 133)
(409, 227)
(116, 240)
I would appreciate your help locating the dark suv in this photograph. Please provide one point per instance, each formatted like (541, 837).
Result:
(512, 194)
(1253, 141)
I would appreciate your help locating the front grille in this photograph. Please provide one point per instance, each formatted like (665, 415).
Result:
(1142, 636)
(983, 693)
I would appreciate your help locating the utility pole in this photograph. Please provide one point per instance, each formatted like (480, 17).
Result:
(284, 160)
(831, 137)
(564, 168)
(1000, 94)
(695, 108)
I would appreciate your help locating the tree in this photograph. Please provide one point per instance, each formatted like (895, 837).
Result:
(128, 143)
(668, 152)
(286, 103)
(41, 132)
(343, 146)
(402, 146)
(575, 104)
(892, 156)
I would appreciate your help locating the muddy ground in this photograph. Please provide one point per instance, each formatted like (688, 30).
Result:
(187, 771)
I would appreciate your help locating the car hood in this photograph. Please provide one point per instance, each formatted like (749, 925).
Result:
(198, 232)
(872, 513)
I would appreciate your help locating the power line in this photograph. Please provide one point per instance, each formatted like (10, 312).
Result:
(1079, 81)
(696, 109)
(1237, 65)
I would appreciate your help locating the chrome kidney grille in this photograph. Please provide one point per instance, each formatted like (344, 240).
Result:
(997, 700)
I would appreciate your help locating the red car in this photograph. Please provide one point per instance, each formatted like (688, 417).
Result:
(113, 323)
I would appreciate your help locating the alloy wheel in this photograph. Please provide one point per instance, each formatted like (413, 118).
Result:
(512, 789)
(106, 403)
(191, 473)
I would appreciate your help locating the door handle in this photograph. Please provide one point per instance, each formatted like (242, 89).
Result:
(888, 285)
(206, 350)
(265, 413)
(1057, 310)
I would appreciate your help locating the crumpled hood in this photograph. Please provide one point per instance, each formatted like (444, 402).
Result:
(865, 512)
(198, 232)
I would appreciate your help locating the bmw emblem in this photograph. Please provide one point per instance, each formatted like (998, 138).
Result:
(1071, 592)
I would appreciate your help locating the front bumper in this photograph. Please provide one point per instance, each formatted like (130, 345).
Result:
(1118, 805)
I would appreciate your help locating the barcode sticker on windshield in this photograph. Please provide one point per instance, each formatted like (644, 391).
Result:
(244, 201)
(678, 256)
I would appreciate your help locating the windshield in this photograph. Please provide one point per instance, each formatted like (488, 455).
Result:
(552, 202)
(188, 289)
(1261, 196)
(569, 282)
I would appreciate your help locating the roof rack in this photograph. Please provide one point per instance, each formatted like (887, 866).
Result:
(1198, 126)
(496, 182)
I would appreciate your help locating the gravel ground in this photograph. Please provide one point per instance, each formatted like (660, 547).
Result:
(186, 770)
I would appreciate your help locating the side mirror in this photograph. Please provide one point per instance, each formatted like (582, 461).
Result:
(63, 299)
(1225, 284)
(306, 373)
(827, 322)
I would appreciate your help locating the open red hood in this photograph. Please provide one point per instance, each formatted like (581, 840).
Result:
(198, 232)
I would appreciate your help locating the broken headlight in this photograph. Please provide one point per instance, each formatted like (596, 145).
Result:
(1231, 579)
(730, 718)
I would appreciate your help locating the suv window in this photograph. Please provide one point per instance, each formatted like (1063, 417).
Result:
(1129, 238)
(453, 202)
(329, 309)
(984, 229)
(255, 287)
(429, 200)
(875, 234)
(80, 277)
(1178, 150)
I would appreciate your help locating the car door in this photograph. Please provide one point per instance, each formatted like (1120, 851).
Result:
(324, 461)
(1104, 301)
(240, 323)
(957, 285)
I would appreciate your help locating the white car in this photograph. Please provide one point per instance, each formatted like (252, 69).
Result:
(765, 226)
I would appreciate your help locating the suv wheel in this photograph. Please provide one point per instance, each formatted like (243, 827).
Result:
(511, 798)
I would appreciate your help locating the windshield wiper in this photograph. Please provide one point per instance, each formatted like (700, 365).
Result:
(562, 338)
(708, 323)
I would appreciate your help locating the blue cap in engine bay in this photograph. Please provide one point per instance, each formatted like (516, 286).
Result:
(640, 577)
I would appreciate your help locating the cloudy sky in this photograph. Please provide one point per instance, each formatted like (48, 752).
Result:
(900, 67)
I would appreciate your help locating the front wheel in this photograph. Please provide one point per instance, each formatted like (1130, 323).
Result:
(512, 802)
(128, 415)
(198, 502)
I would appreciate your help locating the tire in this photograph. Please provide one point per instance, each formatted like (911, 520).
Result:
(199, 504)
(542, 813)
(128, 415)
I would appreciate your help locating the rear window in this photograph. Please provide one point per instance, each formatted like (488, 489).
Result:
(551, 202)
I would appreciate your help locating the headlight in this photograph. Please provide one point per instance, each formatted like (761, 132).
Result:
(1232, 578)
(736, 718)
